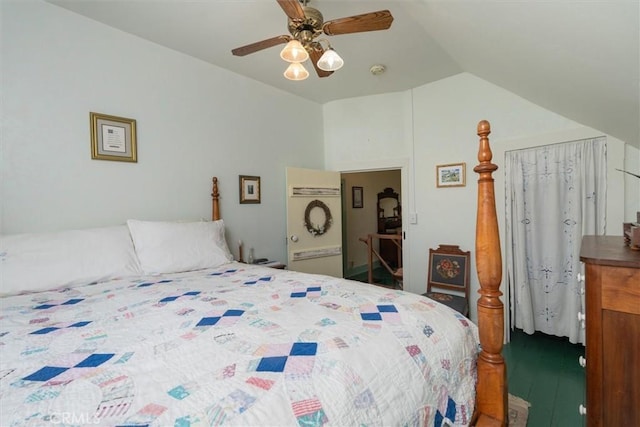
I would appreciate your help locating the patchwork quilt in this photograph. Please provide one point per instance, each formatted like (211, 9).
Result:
(236, 345)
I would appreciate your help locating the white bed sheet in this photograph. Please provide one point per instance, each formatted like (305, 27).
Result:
(235, 345)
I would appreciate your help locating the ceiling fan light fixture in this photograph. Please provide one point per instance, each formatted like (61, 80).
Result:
(294, 52)
(330, 61)
(296, 71)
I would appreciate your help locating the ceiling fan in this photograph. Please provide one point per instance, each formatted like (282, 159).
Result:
(305, 25)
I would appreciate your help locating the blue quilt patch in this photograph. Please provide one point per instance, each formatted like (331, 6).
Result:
(450, 413)
(371, 316)
(220, 273)
(56, 328)
(175, 297)
(310, 291)
(45, 373)
(67, 302)
(304, 349)
(272, 364)
(145, 284)
(48, 372)
(44, 331)
(94, 360)
(210, 321)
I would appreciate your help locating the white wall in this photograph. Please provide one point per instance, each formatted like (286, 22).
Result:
(361, 133)
(444, 116)
(194, 121)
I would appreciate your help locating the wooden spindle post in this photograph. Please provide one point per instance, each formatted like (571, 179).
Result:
(215, 196)
(492, 405)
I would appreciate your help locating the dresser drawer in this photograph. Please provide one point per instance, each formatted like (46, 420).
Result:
(621, 289)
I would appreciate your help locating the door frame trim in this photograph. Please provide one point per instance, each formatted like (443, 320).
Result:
(407, 198)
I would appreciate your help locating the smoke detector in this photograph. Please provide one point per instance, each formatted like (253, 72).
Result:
(377, 69)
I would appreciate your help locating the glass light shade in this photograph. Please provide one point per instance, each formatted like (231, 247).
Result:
(330, 61)
(294, 52)
(296, 71)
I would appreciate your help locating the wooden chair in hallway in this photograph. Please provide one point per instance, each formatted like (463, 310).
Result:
(448, 270)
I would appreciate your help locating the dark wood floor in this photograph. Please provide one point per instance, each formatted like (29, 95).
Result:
(544, 370)
(380, 276)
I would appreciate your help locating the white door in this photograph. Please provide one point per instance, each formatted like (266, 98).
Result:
(314, 221)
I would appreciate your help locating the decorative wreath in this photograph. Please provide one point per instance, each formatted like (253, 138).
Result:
(315, 229)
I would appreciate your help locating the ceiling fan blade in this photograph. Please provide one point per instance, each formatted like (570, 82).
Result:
(315, 53)
(264, 44)
(373, 21)
(292, 8)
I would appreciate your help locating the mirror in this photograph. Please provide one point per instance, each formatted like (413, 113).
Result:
(388, 207)
(389, 212)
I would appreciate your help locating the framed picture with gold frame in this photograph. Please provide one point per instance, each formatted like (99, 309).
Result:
(249, 189)
(113, 138)
(451, 175)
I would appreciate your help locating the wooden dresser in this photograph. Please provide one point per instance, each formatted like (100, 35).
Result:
(612, 286)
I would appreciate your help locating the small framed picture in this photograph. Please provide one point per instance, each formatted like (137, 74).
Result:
(356, 195)
(249, 189)
(113, 138)
(451, 175)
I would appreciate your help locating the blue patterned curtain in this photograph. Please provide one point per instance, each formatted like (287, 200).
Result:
(554, 195)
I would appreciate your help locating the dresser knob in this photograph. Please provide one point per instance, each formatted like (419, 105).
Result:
(580, 277)
(582, 410)
(581, 319)
(582, 290)
(582, 361)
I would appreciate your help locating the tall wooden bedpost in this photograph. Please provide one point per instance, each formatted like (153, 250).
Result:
(491, 392)
(215, 195)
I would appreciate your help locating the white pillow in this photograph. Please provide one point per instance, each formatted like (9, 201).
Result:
(171, 247)
(36, 262)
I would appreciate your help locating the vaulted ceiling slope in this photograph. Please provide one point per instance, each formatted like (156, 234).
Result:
(578, 58)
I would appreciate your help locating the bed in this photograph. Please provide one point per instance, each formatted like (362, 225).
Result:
(155, 324)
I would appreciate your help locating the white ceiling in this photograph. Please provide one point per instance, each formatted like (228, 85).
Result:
(578, 58)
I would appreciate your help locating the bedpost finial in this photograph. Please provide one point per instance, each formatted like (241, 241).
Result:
(484, 152)
(484, 128)
(215, 195)
(214, 188)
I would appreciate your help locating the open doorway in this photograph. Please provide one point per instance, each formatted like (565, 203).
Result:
(361, 217)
